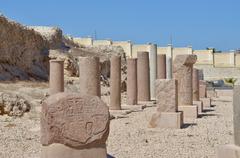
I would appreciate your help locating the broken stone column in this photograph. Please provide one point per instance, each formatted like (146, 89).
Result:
(74, 126)
(153, 69)
(56, 78)
(167, 115)
(143, 78)
(202, 94)
(115, 83)
(182, 72)
(132, 88)
(233, 150)
(195, 85)
(89, 75)
(161, 66)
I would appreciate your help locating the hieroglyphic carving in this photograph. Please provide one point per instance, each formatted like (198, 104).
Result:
(74, 120)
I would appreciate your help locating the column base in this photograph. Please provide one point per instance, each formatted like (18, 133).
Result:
(167, 120)
(228, 151)
(63, 151)
(189, 111)
(206, 102)
(199, 105)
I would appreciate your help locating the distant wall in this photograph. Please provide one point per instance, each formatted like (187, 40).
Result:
(237, 60)
(204, 57)
(102, 42)
(224, 59)
(182, 50)
(83, 41)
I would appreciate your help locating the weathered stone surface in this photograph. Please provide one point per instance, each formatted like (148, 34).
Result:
(115, 83)
(202, 89)
(182, 72)
(143, 76)
(195, 85)
(228, 151)
(132, 88)
(56, 78)
(236, 114)
(166, 95)
(161, 66)
(75, 120)
(89, 75)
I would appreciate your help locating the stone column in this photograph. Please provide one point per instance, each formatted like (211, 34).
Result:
(132, 88)
(169, 56)
(161, 66)
(153, 69)
(56, 78)
(233, 150)
(89, 75)
(115, 83)
(195, 84)
(143, 79)
(182, 72)
(74, 126)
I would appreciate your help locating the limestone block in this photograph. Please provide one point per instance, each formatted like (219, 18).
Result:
(62, 151)
(189, 112)
(206, 102)
(199, 105)
(166, 95)
(75, 120)
(228, 151)
(167, 120)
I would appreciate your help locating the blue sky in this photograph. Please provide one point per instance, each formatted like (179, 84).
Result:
(200, 23)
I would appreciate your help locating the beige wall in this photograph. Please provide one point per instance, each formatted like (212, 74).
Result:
(139, 47)
(126, 45)
(162, 50)
(83, 41)
(102, 42)
(183, 50)
(204, 57)
(224, 59)
(237, 60)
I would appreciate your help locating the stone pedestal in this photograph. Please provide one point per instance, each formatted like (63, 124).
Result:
(199, 104)
(115, 83)
(195, 84)
(74, 126)
(62, 151)
(153, 69)
(89, 75)
(56, 78)
(167, 120)
(143, 79)
(189, 112)
(161, 66)
(228, 151)
(166, 115)
(132, 89)
(206, 102)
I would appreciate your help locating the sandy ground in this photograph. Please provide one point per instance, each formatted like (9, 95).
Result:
(129, 136)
